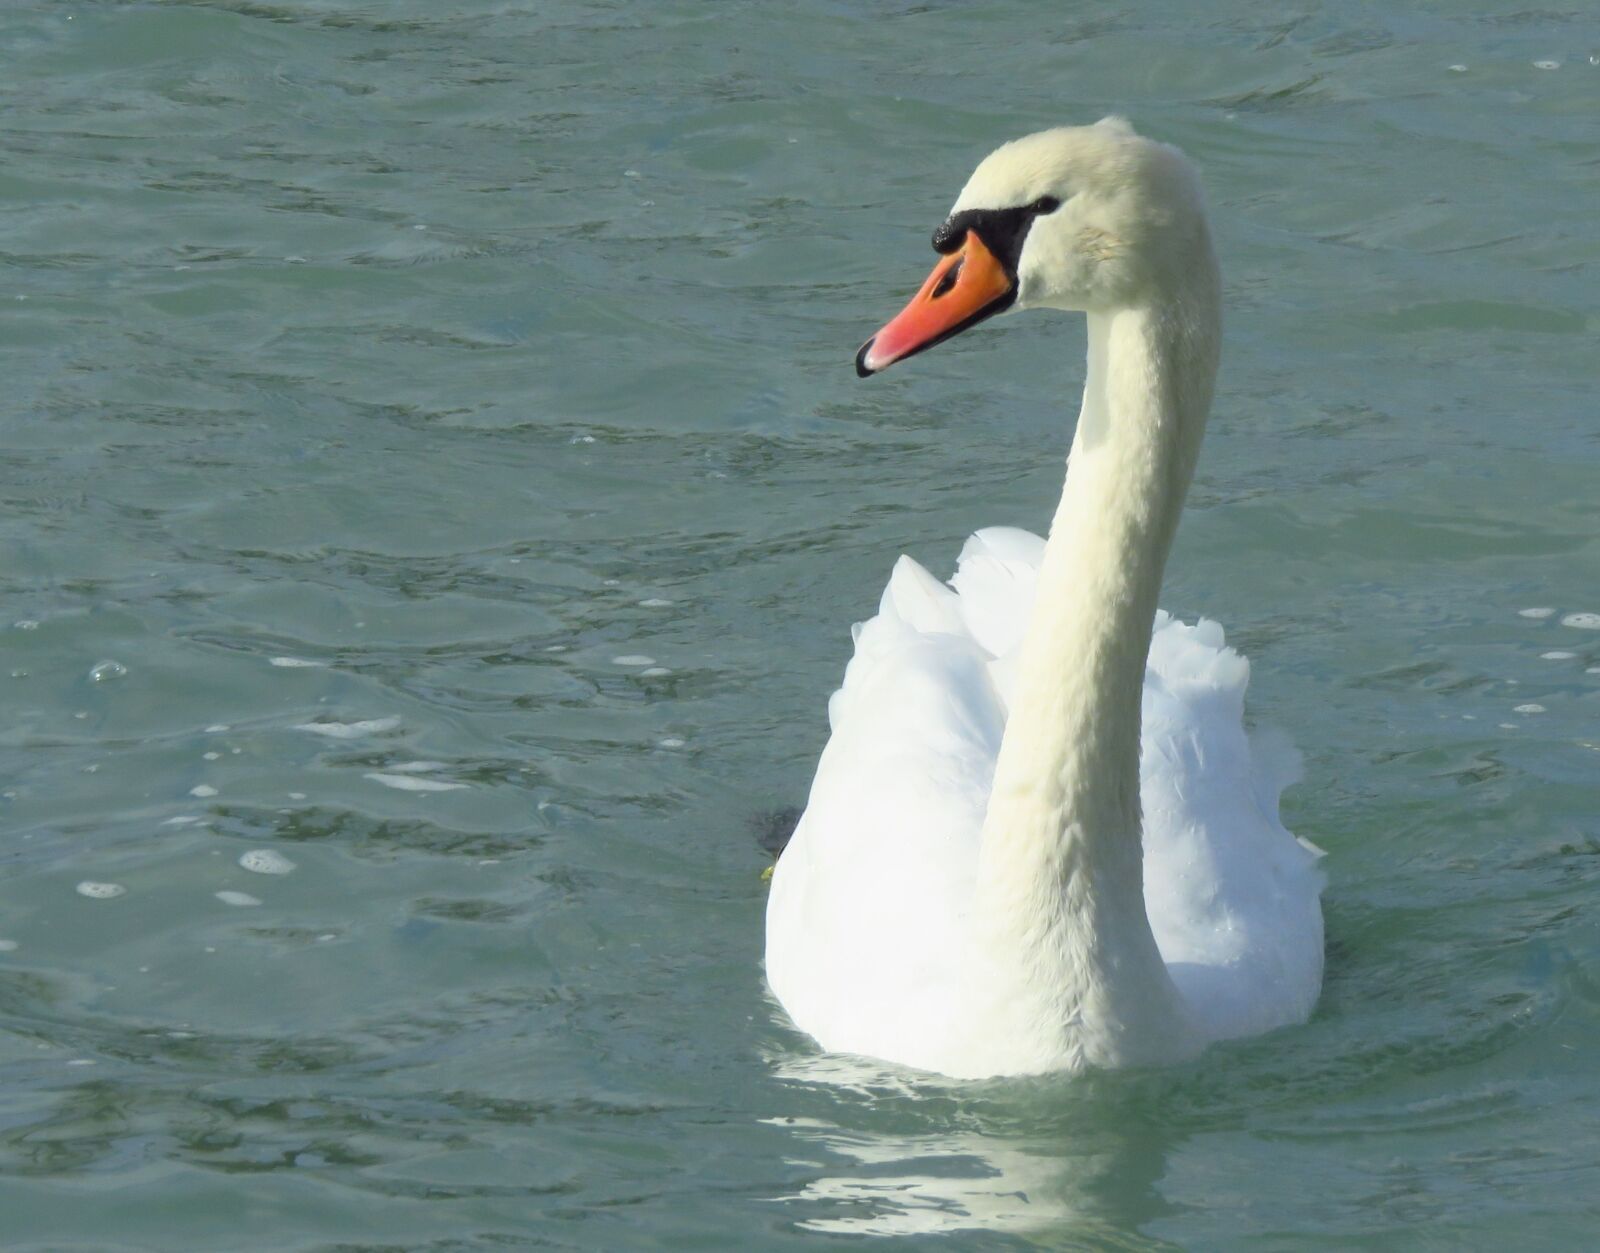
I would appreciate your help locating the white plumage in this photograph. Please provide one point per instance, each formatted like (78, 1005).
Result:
(869, 918)
(1039, 837)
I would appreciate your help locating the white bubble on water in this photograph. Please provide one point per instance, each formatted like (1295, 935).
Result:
(415, 767)
(633, 659)
(265, 861)
(655, 672)
(410, 783)
(26, 624)
(349, 730)
(1547, 65)
(655, 602)
(242, 899)
(100, 891)
(1458, 69)
(1539, 611)
(216, 728)
(672, 741)
(1583, 621)
(82, 1061)
(1529, 708)
(1557, 654)
(211, 756)
(101, 671)
(297, 796)
(202, 790)
(296, 663)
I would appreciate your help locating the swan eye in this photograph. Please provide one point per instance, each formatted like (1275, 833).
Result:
(1044, 204)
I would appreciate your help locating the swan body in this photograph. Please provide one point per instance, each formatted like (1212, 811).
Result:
(1039, 837)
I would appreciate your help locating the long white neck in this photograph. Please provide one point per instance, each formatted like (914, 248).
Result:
(1060, 893)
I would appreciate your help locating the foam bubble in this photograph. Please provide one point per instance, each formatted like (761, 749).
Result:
(26, 624)
(633, 659)
(655, 672)
(349, 730)
(410, 783)
(242, 899)
(1539, 611)
(102, 671)
(100, 891)
(296, 663)
(655, 602)
(1583, 621)
(217, 727)
(183, 820)
(1557, 654)
(202, 790)
(1547, 65)
(213, 756)
(265, 861)
(1530, 708)
(672, 741)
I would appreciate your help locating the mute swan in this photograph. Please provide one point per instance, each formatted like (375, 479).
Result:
(971, 889)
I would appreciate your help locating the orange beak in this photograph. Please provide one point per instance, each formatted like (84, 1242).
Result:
(967, 286)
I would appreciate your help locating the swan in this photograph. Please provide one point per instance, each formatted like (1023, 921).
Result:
(1039, 838)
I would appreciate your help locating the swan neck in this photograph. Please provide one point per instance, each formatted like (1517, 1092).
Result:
(1061, 889)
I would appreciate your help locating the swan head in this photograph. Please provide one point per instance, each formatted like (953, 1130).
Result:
(1090, 218)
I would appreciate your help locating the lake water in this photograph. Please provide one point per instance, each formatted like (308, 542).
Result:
(436, 495)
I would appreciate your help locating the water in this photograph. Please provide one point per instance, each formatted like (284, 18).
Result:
(436, 495)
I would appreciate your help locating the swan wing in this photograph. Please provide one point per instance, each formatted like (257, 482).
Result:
(868, 899)
(865, 925)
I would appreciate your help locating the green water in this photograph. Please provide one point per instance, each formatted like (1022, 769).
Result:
(414, 370)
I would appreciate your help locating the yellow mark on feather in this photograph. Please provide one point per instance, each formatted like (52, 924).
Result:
(1099, 244)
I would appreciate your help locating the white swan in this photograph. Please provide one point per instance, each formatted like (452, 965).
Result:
(968, 891)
